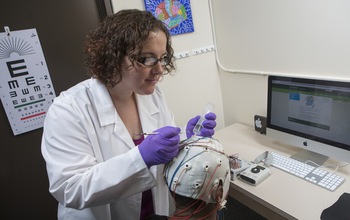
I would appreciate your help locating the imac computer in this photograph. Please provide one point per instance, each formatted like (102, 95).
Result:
(311, 114)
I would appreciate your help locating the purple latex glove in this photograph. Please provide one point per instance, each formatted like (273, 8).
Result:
(208, 125)
(162, 147)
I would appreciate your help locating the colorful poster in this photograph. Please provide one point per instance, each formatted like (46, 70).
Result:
(175, 14)
(26, 89)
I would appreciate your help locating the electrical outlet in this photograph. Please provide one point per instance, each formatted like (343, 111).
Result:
(203, 50)
(182, 55)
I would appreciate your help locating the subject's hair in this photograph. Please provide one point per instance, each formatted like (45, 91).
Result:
(120, 35)
(188, 208)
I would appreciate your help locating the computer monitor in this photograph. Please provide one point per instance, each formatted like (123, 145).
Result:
(311, 114)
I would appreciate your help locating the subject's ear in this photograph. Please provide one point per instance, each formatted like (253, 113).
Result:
(218, 192)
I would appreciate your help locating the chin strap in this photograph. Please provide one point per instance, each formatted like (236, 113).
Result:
(223, 204)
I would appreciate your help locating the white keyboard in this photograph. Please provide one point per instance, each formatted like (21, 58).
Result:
(322, 178)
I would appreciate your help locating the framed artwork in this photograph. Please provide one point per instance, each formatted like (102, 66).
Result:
(175, 14)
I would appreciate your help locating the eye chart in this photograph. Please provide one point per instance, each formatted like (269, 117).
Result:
(26, 89)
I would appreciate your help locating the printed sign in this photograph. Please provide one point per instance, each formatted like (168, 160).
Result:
(26, 89)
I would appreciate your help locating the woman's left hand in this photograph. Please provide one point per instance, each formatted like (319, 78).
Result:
(208, 124)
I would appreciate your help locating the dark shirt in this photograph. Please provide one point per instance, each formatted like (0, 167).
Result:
(147, 208)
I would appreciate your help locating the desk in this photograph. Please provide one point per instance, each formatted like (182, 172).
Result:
(282, 195)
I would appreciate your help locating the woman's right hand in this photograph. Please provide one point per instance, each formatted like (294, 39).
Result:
(161, 147)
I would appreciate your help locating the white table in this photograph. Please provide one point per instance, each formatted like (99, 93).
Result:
(281, 195)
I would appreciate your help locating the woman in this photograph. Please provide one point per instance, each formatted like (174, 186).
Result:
(100, 163)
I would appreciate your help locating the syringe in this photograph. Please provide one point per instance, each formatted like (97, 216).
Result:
(198, 127)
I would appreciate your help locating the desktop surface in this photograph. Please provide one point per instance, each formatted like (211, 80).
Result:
(281, 195)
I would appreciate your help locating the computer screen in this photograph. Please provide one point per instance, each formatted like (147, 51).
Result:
(311, 114)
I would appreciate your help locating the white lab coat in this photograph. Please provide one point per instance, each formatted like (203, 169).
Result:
(94, 169)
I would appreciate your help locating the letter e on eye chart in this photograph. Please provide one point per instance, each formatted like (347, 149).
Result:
(26, 89)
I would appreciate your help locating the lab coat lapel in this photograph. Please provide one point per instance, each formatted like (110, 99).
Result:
(107, 114)
(147, 112)
(122, 133)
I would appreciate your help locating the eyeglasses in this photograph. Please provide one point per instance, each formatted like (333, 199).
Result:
(152, 61)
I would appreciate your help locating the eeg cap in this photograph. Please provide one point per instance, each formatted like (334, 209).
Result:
(201, 170)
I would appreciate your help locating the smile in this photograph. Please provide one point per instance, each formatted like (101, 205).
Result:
(152, 80)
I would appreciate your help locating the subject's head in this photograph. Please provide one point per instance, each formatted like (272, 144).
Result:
(117, 45)
(200, 172)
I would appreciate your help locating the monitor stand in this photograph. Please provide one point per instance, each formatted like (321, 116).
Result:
(306, 155)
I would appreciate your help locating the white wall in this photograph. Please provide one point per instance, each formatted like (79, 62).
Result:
(306, 38)
(197, 80)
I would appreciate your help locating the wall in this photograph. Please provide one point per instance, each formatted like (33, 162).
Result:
(260, 38)
(197, 80)
(24, 186)
(284, 37)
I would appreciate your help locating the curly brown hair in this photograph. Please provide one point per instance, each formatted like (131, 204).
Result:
(120, 35)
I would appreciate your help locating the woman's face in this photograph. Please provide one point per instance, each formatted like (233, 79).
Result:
(141, 79)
